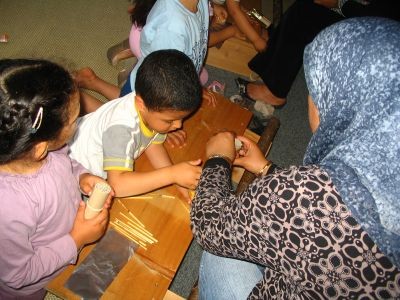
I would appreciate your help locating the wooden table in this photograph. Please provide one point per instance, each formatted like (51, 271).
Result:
(148, 274)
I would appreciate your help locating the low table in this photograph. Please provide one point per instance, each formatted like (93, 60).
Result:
(148, 274)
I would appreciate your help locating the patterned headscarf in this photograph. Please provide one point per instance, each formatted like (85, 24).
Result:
(352, 71)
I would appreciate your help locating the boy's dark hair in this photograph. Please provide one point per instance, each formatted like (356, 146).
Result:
(140, 11)
(168, 80)
(25, 86)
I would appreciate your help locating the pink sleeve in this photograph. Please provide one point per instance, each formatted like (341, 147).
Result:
(134, 40)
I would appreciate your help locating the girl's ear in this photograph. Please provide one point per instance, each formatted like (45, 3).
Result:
(40, 150)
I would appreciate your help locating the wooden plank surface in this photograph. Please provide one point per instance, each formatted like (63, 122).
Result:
(148, 274)
(233, 56)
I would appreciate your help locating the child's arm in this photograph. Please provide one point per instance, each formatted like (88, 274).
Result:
(23, 263)
(128, 183)
(219, 36)
(244, 25)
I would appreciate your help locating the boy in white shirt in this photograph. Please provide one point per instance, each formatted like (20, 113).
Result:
(109, 140)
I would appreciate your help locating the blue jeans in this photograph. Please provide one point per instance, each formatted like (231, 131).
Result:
(227, 278)
(126, 88)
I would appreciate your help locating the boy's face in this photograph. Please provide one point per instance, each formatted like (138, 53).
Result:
(163, 121)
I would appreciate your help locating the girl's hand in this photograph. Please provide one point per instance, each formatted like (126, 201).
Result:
(187, 173)
(88, 231)
(87, 182)
(250, 156)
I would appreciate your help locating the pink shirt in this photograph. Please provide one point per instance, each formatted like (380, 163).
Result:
(37, 212)
(134, 40)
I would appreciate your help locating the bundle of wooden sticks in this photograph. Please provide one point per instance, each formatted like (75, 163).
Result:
(131, 227)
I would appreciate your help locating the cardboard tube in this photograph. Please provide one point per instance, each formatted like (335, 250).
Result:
(96, 200)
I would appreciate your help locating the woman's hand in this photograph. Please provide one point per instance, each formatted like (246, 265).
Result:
(222, 143)
(250, 156)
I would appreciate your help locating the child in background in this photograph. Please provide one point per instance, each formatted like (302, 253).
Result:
(110, 139)
(156, 25)
(170, 24)
(241, 21)
(42, 223)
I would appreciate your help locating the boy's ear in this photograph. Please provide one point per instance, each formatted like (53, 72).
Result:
(140, 103)
(40, 150)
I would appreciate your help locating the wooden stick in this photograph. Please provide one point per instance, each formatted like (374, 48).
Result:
(135, 220)
(134, 226)
(141, 197)
(129, 235)
(145, 232)
(120, 230)
(130, 213)
(135, 232)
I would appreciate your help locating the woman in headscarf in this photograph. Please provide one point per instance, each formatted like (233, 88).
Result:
(329, 228)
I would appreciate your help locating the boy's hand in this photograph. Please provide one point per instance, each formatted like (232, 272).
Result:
(187, 173)
(88, 231)
(176, 138)
(87, 182)
(185, 193)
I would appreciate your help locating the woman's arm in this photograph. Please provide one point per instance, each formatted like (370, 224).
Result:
(220, 220)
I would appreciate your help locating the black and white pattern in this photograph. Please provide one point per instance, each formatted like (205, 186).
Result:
(295, 223)
(352, 71)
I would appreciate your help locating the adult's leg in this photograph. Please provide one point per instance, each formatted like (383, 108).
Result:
(280, 63)
(227, 278)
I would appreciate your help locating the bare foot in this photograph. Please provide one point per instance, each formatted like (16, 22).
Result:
(261, 92)
(85, 77)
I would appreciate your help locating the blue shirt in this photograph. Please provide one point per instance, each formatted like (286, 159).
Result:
(170, 25)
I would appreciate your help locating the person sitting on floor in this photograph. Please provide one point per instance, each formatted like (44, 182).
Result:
(170, 24)
(42, 223)
(329, 228)
(280, 63)
(241, 20)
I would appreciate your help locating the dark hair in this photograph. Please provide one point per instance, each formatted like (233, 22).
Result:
(26, 86)
(167, 80)
(140, 11)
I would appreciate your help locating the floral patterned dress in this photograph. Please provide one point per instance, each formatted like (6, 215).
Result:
(294, 222)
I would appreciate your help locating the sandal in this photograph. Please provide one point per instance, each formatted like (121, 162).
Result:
(217, 87)
(242, 85)
(119, 52)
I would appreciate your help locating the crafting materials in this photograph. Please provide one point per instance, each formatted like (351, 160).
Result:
(98, 270)
(259, 17)
(132, 228)
(96, 200)
(238, 144)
